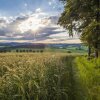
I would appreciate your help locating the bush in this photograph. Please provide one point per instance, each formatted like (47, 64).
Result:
(69, 52)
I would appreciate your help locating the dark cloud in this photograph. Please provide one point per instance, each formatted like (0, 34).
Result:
(21, 18)
(2, 32)
(54, 19)
(11, 30)
(2, 21)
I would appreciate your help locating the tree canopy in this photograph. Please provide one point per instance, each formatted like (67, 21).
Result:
(82, 16)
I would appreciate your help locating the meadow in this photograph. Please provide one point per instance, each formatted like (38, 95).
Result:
(48, 76)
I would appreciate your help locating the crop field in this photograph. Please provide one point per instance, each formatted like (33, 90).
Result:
(48, 76)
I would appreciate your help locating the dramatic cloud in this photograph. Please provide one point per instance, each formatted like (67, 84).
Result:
(31, 20)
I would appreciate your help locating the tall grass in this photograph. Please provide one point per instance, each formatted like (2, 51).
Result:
(88, 78)
(34, 77)
(48, 76)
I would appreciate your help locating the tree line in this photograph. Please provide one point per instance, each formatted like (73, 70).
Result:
(21, 51)
(82, 17)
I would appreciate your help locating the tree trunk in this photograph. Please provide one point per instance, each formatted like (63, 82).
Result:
(97, 31)
(96, 51)
(89, 51)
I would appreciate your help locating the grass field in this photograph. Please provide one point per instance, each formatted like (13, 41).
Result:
(48, 76)
(69, 49)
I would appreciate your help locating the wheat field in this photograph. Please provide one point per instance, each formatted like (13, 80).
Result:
(48, 76)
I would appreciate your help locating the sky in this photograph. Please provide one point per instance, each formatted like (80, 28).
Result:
(32, 21)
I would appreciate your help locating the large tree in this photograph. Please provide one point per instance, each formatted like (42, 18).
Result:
(82, 16)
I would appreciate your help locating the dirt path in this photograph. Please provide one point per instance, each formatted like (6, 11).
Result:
(71, 80)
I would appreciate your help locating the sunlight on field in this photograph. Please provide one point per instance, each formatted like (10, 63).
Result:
(33, 76)
(47, 76)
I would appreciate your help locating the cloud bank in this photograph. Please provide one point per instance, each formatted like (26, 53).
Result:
(35, 24)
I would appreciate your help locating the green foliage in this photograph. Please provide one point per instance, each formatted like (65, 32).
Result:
(87, 34)
(82, 16)
(88, 77)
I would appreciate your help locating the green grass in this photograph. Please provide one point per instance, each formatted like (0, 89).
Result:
(88, 78)
(72, 49)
